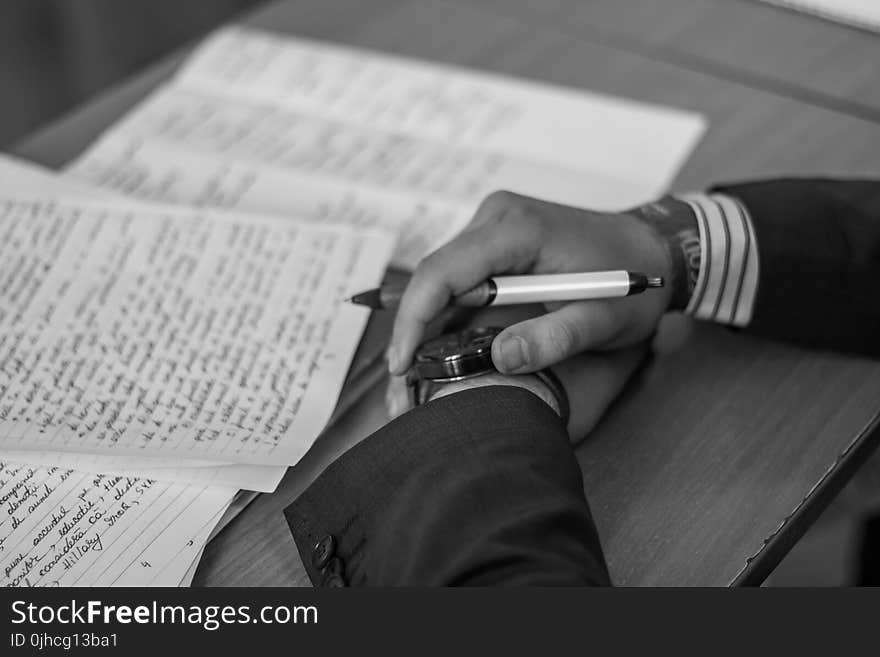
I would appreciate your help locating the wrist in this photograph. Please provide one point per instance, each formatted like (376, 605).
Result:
(676, 228)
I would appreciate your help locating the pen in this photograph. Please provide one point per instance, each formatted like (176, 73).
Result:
(509, 290)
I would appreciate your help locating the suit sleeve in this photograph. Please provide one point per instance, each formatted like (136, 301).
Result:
(480, 487)
(819, 252)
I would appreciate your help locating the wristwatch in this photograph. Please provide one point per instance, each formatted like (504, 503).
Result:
(444, 361)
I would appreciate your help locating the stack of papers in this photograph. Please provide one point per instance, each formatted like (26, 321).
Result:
(172, 320)
(164, 349)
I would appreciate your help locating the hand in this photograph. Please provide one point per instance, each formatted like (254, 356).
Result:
(592, 380)
(517, 234)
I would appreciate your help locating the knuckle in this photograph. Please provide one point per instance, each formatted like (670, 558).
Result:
(561, 339)
(431, 275)
(432, 266)
(540, 216)
(500, 199)
(497, 205)
(429, 263)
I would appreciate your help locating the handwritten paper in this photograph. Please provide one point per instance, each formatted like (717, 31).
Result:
(152, 168)
(587, 133)
(63, 527)
(27, 178)
(370, 158)
(282, 125)
(173, 332)
(147, 566)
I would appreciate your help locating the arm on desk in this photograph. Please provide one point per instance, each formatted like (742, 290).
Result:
(477, 488)
(819, 253)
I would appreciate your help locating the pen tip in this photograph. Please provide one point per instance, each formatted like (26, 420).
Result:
(655, 281)
(370, 298)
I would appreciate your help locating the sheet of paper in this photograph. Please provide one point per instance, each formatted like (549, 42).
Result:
(282, 125)
(26, 177)
(336, 154)
(22, 177)
(862, 13)
(68, 528)
(175, 333)
(239, 504)
(177, 571)
(564, 130)
(262, 478)
(153, 168)
(189, 575)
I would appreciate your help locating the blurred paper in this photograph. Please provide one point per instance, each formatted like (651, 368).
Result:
(20, 177)
(861, 13)
(583, 133)
(283, 125)
(153, 168)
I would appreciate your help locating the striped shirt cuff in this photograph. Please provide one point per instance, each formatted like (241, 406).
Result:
(728, 278)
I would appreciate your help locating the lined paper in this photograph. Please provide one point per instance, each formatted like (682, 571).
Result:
(69, 528)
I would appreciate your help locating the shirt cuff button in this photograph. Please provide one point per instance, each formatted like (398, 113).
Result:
(323, 551)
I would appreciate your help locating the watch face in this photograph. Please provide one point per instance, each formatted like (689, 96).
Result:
(456, 356)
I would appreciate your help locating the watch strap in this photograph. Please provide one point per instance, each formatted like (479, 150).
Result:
(548, 377)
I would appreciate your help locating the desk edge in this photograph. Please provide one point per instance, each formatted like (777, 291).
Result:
(777, 545)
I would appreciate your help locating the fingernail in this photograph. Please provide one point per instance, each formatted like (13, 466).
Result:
(393, 360)
(514, 353)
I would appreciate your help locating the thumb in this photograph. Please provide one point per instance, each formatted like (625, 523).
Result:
(546, 340)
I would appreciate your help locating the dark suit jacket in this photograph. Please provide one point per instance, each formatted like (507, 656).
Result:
(481, 487)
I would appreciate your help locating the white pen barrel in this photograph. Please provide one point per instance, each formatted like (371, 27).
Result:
(560, 287)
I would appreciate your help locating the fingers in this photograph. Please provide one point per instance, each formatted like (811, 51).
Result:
(496, 206)
(495, 247)
(546, 340)
(396, 397)
(593, 380)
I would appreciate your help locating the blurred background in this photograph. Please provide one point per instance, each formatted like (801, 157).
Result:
(55, 54)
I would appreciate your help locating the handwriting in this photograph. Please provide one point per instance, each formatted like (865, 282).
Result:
(87, 529)
(179, 332)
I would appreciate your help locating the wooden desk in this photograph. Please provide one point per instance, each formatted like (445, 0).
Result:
(720, 453)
